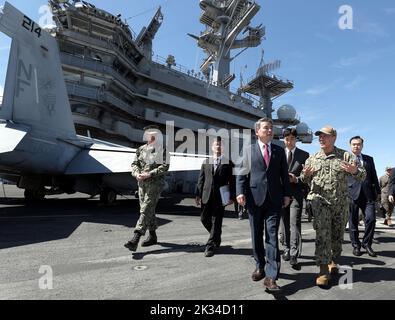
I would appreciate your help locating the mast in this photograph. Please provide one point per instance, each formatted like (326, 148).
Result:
(224, 21)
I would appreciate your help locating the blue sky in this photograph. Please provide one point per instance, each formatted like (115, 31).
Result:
(342, 77)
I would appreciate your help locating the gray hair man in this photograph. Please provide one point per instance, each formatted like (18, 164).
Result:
(264, 189)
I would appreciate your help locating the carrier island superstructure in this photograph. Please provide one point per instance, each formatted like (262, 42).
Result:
(116, 87)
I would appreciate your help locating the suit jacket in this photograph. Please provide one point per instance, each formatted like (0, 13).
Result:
(256, 181)
(210, 181)
(391, 184)
(298, 189)
(370, 186)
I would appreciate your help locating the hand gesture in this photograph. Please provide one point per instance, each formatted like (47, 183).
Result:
(349, 167)
(292, 178)
(308, 171)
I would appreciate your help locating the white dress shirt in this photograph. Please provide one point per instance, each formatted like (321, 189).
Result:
(269, 144)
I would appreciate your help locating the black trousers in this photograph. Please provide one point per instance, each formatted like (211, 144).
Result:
(211, 216)
(368, 208)
(292, 232)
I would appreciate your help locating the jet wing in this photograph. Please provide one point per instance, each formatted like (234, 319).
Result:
(100, 159)
(108, 158)
(186, 162)
(11, 135)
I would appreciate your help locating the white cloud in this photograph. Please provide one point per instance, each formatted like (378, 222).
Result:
(343, 130)
(324, 37)
(365, 57)
(362, 58)
(320, 89)
(317, 90)
(372, 29)
(312, 116)
(354, 84)
(389, 11)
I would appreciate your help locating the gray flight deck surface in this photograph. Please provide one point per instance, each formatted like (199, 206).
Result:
(82, 241)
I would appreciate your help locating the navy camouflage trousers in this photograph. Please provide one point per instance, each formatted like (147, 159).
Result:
(329, 223)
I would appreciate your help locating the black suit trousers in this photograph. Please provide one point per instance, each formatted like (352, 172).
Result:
(368, 208)
(211, 217)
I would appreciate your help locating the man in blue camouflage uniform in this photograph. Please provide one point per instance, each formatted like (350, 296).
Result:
(149, 168)
(326, 173)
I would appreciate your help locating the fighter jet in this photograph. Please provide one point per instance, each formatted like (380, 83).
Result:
(39, 148)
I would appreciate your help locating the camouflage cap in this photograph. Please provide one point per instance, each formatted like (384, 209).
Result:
(329, 130)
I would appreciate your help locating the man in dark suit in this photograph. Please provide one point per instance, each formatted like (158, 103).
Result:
(214, 173)
(292, 215)
(363, 195)
(262, 185)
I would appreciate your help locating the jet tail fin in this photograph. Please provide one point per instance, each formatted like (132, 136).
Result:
(35, 93)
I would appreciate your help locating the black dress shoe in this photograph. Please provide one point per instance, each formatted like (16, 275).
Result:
(132, 246)
(286, 256)
(271, 285)
(209, 252)
(370, 251)
(294, 263)
(258, 274)
(357, 252)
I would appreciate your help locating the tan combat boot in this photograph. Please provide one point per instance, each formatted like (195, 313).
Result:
(132, 244)
(333, 268)
(151, 239)
(323, 276)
